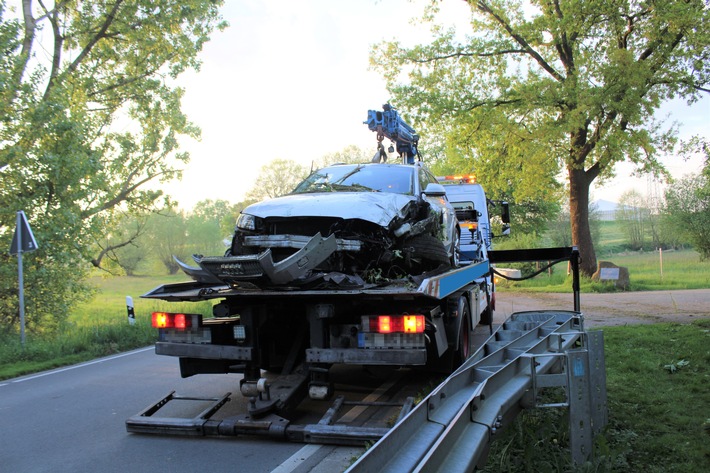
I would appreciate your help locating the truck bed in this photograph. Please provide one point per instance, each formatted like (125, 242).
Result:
(437, 287)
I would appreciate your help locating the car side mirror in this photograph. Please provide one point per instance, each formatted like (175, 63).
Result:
(435, 190)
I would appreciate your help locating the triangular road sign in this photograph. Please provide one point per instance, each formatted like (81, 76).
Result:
(27, 238)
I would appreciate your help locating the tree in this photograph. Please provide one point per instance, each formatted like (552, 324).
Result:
(276, 178)
(166, 236)
(349, 155)
(210, 223)
(89, 115)
(634, 215)
(687, 207)
(541, 84)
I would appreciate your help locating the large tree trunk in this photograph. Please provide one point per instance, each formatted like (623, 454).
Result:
(579, 218)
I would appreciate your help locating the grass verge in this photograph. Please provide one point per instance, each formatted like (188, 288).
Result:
(659, 409)
(94, 329)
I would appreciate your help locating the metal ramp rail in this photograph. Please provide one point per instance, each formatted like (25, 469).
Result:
(452, 428)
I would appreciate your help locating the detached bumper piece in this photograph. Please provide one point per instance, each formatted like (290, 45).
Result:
(232, 269)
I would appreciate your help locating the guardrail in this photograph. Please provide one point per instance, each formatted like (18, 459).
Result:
(452, 428)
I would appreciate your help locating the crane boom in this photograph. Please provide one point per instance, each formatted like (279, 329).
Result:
(389, 124)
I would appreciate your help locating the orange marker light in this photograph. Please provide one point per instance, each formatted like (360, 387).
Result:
(384, 324)
(413, 323)
(161, 320)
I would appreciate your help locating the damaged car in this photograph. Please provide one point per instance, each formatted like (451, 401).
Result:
(349, 222)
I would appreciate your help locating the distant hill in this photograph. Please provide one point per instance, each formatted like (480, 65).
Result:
(605, 205)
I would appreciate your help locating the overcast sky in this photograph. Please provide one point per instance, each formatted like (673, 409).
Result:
(290, 80)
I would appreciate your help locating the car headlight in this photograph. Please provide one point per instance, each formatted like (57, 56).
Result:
(246, 222)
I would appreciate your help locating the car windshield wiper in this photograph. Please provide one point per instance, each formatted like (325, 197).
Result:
(352, 187)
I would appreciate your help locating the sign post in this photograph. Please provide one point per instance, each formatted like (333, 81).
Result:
(22, 241)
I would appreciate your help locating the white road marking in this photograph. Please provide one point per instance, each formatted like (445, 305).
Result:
(73, 367)
(295, 460)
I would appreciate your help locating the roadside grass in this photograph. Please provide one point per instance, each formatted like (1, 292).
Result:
(95, 329)
(680, 270)
(659, 409)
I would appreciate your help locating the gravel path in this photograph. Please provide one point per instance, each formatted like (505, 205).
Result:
(619, 308)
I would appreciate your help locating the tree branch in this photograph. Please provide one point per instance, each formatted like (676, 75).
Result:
(57, 53)
(101, 33)
(121, 196)
(464, 54)
(483, 7)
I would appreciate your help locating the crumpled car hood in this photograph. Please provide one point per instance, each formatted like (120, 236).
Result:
(375, 207)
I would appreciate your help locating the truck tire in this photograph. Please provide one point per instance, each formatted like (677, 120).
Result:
(463, 344)
(426, 253)
(487, 315)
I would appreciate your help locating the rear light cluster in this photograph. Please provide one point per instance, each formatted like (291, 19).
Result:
(393, 323)
(178, 321)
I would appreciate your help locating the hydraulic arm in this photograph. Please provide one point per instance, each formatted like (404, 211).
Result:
(388, 124)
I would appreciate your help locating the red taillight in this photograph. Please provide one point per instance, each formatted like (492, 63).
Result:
(393, 323)
(183, 321)
(178, 321)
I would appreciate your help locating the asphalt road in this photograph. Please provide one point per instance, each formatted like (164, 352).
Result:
(618, 308)
(73, 420)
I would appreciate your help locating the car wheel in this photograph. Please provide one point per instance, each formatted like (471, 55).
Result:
(427, 253)
(456, 250)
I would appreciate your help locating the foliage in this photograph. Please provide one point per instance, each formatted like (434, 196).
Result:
(541, 85)
(687, 208)
(276, 178)
(560, 231)
(634, 214)
(175, 233)
(209, 225)
(89, 116)
(129, 255)
(166, 236)
(349, 155)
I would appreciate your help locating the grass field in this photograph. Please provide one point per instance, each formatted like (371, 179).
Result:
(647, 272)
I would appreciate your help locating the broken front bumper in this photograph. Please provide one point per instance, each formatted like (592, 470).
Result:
(249, 267)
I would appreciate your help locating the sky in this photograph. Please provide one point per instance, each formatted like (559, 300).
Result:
(290, 80)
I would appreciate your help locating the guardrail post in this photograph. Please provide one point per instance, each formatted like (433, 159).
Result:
(587, 396)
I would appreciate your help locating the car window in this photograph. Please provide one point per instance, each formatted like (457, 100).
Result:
(359, 178)
(425, 178)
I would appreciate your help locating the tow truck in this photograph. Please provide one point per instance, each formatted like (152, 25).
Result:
(271, 316)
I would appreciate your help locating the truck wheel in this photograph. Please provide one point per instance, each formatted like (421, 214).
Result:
(463, 346)
(427, 252)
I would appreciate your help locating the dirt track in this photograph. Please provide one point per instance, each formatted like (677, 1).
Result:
(614, 308)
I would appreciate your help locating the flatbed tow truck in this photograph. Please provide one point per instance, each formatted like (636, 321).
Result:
(422, 322)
